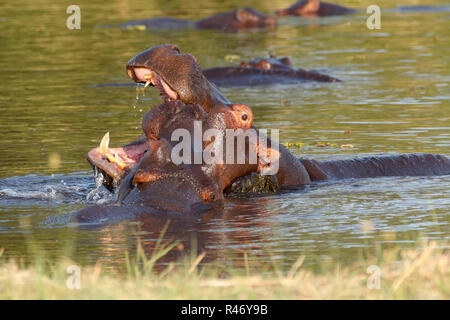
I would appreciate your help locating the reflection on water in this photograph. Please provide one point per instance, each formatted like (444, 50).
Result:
(327, 220)
(394, 99)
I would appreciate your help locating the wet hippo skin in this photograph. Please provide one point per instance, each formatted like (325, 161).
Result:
(314, 8)
(263, 71)
(232, 21)
(378, 166)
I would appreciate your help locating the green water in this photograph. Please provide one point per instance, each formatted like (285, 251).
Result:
(394, 98)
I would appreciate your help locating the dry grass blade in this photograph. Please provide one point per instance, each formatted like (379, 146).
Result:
(413, 267)
(295, 267)
(196, 262)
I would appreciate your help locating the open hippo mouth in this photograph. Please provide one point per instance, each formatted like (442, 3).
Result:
(115, 163)
(142, 74)
(164, 68)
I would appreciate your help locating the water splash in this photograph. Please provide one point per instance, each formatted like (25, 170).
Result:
(58, 188)
(98, 195)
(49, 194)
(139, 104)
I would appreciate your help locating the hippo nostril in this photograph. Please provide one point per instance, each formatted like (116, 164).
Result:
(244, 117)
(131, 73)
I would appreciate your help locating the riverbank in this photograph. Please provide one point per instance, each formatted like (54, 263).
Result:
(411, 274)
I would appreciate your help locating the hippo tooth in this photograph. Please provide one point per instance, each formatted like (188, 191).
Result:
(104, 144)
(147, 84)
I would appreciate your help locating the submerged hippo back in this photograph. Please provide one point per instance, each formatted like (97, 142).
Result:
(239, 19)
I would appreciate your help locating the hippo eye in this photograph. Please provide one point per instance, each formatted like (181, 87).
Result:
(244, 117)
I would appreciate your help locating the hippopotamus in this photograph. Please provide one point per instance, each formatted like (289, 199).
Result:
(263, 71)
(231, 21)
(187, 93)
(314, 8)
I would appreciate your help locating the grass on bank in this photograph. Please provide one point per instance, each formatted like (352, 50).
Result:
(411, 274)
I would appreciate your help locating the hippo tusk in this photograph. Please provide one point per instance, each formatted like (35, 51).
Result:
(104, 150)
(104, 144)
(112, 159)
(148, 78)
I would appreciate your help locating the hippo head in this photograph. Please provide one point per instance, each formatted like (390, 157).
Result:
(237, 20)
(175, 75)
(301, 8)
(178, 77)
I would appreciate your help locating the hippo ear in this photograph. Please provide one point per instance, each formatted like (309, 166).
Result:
(241, 116)
(175, 48)
(193, 58)
(286, 61)
(263, 64)
(244, 64)
(309, 7)
(241, 15)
